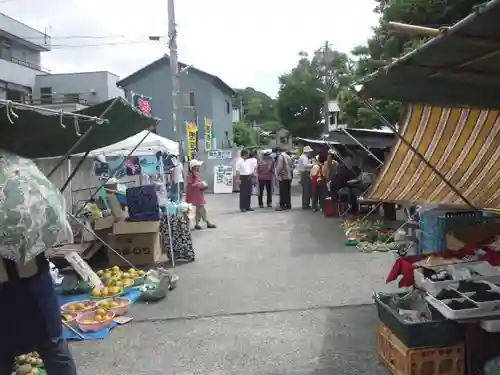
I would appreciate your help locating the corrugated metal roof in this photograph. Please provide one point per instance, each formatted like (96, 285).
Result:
(333, 106)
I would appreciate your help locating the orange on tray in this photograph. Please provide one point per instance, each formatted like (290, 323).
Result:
(94, 321)
(118, 305)
(78, 306)
(106, 292)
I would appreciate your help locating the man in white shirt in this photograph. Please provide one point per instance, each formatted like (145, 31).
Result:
(304, 167)
(244, 174)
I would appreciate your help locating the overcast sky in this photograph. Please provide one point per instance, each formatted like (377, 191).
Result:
(244, 42)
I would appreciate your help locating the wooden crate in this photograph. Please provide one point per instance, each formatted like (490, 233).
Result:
(400, 360)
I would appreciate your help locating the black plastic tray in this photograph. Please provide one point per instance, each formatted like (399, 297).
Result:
(438, 332)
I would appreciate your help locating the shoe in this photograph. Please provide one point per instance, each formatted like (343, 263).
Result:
(243, 210)
(261, 206)
(198, 227)
(211, 226)
(280, 209)
(250, 209)
(306, 207)
(269, 205)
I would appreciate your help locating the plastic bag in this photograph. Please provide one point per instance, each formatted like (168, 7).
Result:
(156, 285)
(32, 210)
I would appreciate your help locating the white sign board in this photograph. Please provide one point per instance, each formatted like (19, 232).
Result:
(223, 179)
(83, 269)
(220, 154)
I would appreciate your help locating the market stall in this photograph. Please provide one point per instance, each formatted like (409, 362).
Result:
(91, 303)
(445, 161)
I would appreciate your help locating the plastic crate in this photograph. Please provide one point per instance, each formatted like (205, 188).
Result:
(439, 332)
(434, 225)
(400, 360)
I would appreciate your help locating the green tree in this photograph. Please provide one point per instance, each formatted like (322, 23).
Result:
(258, 107)
(243, 135)
(384, 46)
(301, 93)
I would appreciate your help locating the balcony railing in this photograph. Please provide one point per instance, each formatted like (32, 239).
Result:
(73, 98)
(27, 64)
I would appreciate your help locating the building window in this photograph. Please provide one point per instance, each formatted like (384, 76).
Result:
(228, 107)
(46, 95)
(71, 98)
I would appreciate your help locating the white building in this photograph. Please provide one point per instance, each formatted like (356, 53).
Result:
(22, 78)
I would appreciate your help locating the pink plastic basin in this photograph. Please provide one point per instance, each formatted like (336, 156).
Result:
(93, 327)
(122, 309)
(91, 305)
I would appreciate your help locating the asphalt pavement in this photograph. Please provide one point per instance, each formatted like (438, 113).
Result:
(269, 293)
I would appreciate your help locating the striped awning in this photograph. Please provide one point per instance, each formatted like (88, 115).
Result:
(463, 144)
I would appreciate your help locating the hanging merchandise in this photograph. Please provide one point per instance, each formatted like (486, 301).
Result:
(132, 166)
(101, 170)
(192, 136)
(149, 164)
(116, 167)
(208, 134)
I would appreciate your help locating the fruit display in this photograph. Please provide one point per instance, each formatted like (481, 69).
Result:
(106, 292)
(117, 305)
(98, 316)
(115, 277)
(78, 307)
(94, 321)
(28, 364)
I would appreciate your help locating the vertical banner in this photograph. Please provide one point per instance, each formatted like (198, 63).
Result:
(208, 134)
(192, 136)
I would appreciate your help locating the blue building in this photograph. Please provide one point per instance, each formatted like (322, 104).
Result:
(203, 96)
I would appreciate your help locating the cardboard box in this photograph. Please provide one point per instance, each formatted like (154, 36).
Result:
(104, 223)
(138, 242)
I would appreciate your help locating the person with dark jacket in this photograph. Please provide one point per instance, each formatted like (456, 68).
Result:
(30, 319)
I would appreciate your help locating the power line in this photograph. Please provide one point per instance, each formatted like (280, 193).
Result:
(90, 36)
(70, 46)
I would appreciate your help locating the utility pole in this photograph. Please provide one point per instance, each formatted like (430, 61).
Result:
(174, 74)
(326, 62)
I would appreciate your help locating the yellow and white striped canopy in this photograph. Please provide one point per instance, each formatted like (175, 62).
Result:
(463, 144)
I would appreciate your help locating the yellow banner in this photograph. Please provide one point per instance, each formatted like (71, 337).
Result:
(208, 134)
(192, 144)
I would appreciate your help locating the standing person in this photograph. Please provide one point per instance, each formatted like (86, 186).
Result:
(31, 319)
(244, 174)
(318, 183)
(304, 168)
(265, 175)
(252, 160)
(283, 172)
(195, 193)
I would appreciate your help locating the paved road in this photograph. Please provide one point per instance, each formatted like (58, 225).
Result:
(270, 293)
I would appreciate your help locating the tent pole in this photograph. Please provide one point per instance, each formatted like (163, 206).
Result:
(73, 172)
(414, 150)
(362, 146)
(82, 138)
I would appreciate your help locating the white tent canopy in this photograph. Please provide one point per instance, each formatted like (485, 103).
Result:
(152, 144)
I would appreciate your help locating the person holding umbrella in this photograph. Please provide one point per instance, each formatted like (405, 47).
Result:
(33, 220)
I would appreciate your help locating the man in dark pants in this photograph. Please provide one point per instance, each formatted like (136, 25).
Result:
(265, 176)
(284, 165)
(244, 177)
(30, 319)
